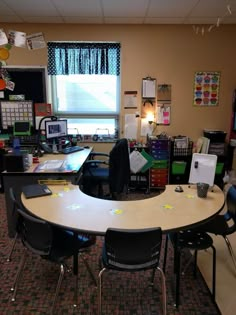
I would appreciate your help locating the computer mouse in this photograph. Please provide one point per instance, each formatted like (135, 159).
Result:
(179, 189)
(86, 147)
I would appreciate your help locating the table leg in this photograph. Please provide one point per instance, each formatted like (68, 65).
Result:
(75, 267)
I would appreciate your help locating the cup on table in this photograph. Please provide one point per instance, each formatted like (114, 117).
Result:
(202, 189)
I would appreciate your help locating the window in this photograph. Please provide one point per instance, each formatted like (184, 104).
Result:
(85, 85)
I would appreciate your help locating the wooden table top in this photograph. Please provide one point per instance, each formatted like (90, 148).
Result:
(69, 207)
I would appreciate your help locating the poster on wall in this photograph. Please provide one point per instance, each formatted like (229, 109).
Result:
(206, 88)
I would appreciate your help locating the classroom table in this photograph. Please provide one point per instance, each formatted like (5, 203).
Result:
(71, 171)
(68, 207)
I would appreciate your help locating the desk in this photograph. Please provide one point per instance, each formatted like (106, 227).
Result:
(74, 161)
(70, 208)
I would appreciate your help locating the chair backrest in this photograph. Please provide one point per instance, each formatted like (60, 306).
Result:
(35, 233)
(15, 204)
(231, 208)
(133, 249)
(119, 166)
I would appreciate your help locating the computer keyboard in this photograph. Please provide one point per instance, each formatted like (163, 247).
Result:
(69, 150)
(24, 140)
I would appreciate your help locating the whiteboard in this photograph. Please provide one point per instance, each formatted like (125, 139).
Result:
(203, 168)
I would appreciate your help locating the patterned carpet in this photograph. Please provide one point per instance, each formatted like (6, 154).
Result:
(123, 293)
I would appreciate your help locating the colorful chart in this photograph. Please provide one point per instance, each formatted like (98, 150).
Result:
(206, 88)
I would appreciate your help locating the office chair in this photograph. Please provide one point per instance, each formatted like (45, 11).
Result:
(55, 245)
(193, 240)
(116, 172)
(132, 250)
(225, 224)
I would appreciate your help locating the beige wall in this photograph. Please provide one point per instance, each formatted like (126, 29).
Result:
(171, 54)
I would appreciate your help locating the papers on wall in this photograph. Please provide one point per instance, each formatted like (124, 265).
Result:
(3, 37)
(137, 161)
(16, 38)
(130, 99)
(163, 114)
(35, 41)
(149, 88)
(131, 126)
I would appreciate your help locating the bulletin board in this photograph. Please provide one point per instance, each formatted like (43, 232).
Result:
(206, 88)
(12, 111)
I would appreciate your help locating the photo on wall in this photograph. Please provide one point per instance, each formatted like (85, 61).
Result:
(206, 88)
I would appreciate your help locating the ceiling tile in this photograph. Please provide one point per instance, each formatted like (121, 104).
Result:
(124, 8)
(170, 8)
(78, 7)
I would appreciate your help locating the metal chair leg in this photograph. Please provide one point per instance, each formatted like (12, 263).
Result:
(214, 273)
(12, 248)
(62, 267)
(165, 254)
(18, 275)
(100, 291)
(76, 291)
(89, 270)
(163, 285)
(230, 250)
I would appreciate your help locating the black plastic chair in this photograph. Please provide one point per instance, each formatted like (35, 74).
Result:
(55, 245)
(193, 240)
(15, 205)
(225, 224)
(132, 250)
(113, 171)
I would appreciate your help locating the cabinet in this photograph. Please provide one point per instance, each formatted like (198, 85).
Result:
(180, 163)
(159, 149)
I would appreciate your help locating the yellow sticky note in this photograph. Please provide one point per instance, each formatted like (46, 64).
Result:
(167, 206)
(116, 211)
(189, 196)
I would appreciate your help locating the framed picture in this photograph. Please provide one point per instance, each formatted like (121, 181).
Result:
(206, 88)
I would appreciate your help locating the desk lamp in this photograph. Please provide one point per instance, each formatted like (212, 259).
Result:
(53, 118)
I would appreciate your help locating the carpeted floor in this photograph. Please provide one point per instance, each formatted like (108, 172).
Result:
(123, 293)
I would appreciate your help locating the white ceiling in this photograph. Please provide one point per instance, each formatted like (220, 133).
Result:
(118, 11)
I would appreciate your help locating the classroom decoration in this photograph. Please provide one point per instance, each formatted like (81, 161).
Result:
(206, 88)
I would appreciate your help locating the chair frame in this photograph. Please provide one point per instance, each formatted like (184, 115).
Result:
(138, 265)
(44, 252)
(14, 211)
(177, 258)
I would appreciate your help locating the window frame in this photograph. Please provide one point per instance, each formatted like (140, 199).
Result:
(95, 115)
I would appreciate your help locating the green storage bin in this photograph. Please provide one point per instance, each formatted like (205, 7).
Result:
(178, 167)
(160, 164)
(219, 168)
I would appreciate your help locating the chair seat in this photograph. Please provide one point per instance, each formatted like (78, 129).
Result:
(194, 240)
(97, 173)
(64, 244)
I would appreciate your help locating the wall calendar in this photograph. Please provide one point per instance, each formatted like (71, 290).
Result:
(12, 111)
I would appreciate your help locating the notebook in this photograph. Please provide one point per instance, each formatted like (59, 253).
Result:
(36, 190)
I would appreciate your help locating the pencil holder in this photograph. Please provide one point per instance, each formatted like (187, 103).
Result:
(202, 189)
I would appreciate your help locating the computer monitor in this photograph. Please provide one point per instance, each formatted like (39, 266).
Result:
(21, 128)
(55, 129)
